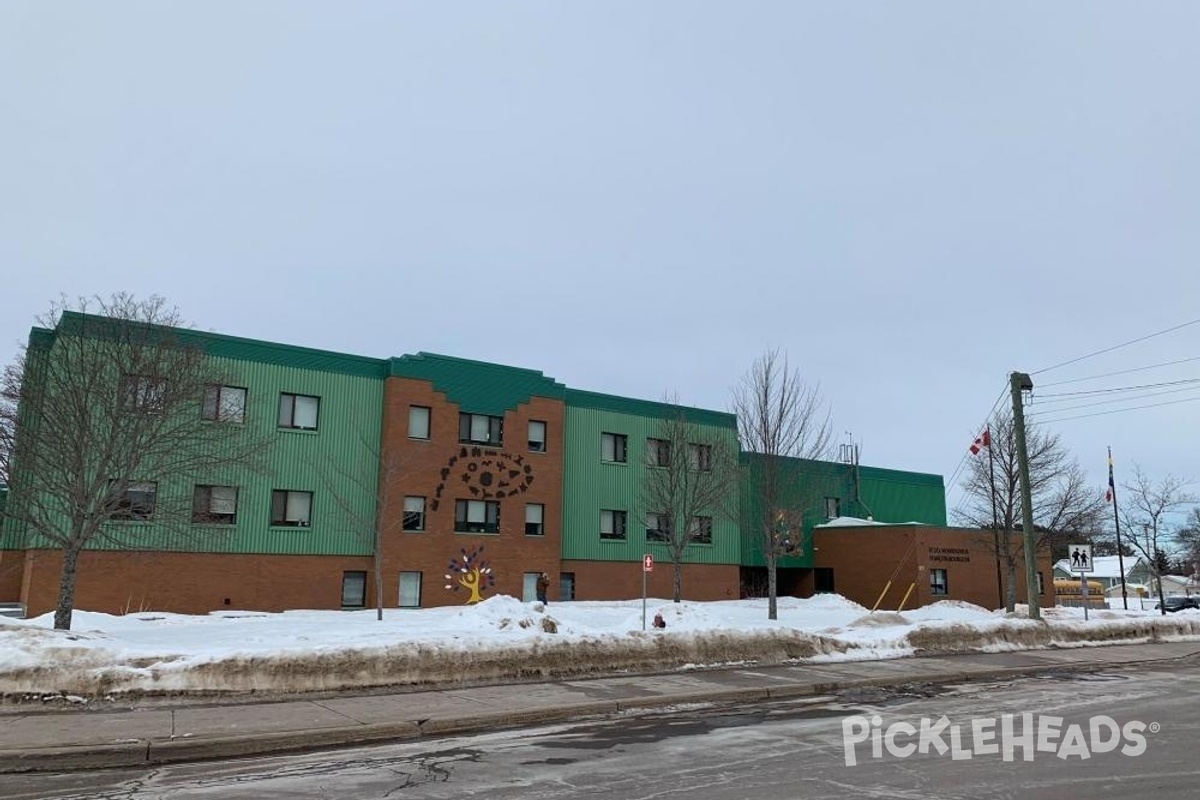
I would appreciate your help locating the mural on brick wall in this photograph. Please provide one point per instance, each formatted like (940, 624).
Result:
(471, 572)
(484, 475)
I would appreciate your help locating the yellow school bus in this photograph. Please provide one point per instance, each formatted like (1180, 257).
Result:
(1069, 592)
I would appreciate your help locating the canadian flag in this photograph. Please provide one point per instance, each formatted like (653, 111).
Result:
(983, 440)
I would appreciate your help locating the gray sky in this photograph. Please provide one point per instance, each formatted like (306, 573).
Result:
(914, 199)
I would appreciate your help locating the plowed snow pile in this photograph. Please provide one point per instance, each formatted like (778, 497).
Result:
(502, 638)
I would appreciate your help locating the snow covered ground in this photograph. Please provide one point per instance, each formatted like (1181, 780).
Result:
(233, 651)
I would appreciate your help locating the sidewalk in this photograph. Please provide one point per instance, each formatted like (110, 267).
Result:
(159, 732)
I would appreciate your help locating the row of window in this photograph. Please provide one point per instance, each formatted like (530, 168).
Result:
(212, 505)
(354, 588)
(614, 449)
(613, 527)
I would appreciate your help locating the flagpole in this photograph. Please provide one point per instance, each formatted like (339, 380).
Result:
(1112, 489)
(995, 520)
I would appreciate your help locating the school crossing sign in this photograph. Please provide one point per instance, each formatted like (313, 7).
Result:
(1079, 557)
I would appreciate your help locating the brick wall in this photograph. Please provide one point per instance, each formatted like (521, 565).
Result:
(12, 569)
(424, 465)
(610, 580)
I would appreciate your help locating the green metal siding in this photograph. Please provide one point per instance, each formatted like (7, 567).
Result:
(476, 386)
(590, 485)
(885, 495)
(596, 401)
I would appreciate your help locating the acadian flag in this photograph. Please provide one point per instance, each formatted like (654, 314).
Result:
(981, 441)
(1111, 491)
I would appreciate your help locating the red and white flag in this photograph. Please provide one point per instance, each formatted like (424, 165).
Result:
(983, 440)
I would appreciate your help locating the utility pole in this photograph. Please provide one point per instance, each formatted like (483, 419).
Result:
(1112, 488)
(1020, 382)
(995, 519)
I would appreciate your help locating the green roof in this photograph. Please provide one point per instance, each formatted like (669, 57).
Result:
(648, 408)
(477, 386)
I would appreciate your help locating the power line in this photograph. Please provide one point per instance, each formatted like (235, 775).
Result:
(966, 451)
(1120, 410)
(1121, 372)
(1117, 346)
(1125, 399)
(1061, 397)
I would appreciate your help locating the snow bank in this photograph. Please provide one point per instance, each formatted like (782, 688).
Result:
(505, 639)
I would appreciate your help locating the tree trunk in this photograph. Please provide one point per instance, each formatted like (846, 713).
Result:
(1162, 601)
(677, 588)
(66, 589)
(1010, 580)
(378, 583)
(772, 589)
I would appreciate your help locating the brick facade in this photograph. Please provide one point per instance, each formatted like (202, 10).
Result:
(511, 475)
(616, 580)
(863, 560)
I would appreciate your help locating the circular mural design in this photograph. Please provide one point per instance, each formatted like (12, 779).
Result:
(485, 474)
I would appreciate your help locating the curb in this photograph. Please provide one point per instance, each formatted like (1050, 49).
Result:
(143, 752)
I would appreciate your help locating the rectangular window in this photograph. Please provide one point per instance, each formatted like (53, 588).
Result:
(135, 503)
(534, 519)
(410, 590)
(700, 457)
(290, 509)
(418, 422)
(937, 582)
(354, 589)
(613, 447)
(529, 586)
(481, 429)
(612, 525)
(143, 393)
(700, 531)
(658, 527)
(298, 411)
(658, 453)
(224, 404)
(476, 516)
(833, 507)
(537, 436)
(414, 514)
(215, 505)
(566, 586)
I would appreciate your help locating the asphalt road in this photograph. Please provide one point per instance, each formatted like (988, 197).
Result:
(783, 750)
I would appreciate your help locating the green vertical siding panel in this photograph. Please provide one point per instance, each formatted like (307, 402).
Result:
(894, 496)
(590, 485)
(804, 485)
(340, 456)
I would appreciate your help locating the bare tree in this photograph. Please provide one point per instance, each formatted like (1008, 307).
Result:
(1065, 505)
(780, 416)
(346, 483)
(1146, 510)
(691, 480)
(104, 411)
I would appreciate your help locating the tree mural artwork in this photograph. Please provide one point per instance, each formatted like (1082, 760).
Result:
(470, 572)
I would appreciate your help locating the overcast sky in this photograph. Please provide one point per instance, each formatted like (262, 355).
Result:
(913, 199)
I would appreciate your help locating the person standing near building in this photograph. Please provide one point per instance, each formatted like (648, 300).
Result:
(543, 586)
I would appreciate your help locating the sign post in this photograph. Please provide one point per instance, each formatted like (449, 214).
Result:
(1080, 558)
(647, 568)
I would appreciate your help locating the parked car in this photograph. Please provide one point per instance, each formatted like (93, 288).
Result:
(1173, 604)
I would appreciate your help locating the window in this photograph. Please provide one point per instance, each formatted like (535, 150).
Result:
(224, 404)
(215, 505)
(144, 393)
(481, 429)
(612, 525)
(658, 453)
(613, 447)
(658, 527)
(537, 436)
(298, 411)
(823, 579)
(937, 582)
(290, 509)
(534, 519)
(833, 507)
(410, 590)
(529, 586)
(354, 589)
(700, 531)
(700, 457)
(476, 516)
(418, 422)
(414, 514)
(566, 586)
(136, 502)
(1041, 584)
